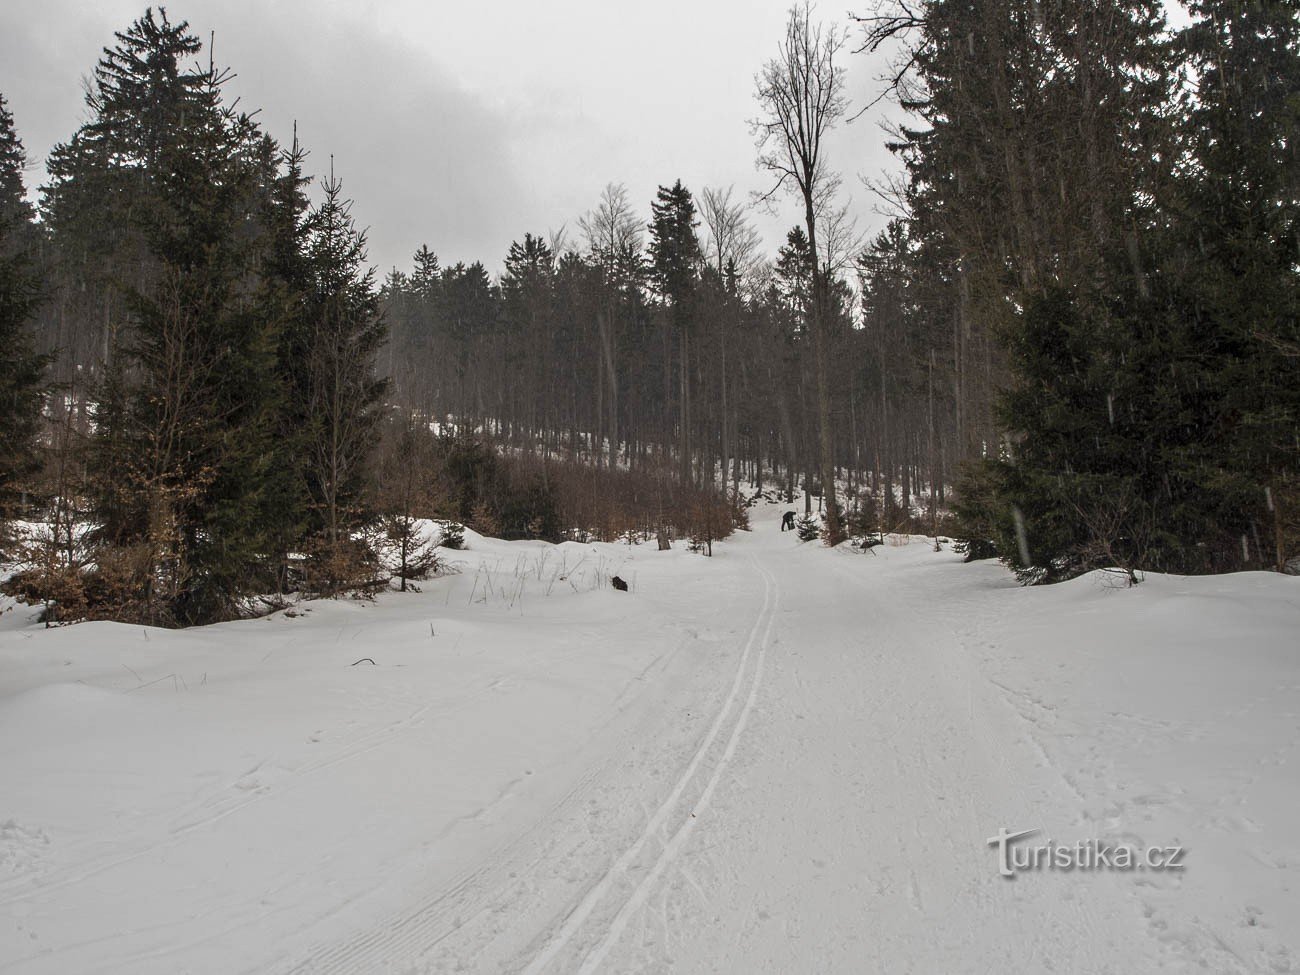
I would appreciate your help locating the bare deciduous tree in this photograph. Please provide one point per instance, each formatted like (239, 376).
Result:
(613, 235)
(801, 93)
(730, 237)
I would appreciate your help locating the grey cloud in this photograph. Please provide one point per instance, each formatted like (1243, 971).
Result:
(462, 125)
(423, 159)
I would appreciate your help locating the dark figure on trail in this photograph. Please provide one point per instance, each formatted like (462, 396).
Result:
(618, 584)
(787, 522)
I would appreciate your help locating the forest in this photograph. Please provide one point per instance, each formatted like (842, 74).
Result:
(1074, 344)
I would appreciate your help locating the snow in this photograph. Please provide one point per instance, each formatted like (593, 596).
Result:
(780, 759)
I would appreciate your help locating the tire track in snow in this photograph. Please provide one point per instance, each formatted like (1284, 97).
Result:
(759, 638)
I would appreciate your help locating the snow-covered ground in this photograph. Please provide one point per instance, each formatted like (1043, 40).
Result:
(778, 760)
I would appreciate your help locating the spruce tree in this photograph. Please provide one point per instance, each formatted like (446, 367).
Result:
(286, 284)
(793, 274)
(1238, 243)
(527, 300)
(467, 309)
(22, 371)
(344, 395)
(427, 275)
(1054, 232)
(190, 408)
(675, 259)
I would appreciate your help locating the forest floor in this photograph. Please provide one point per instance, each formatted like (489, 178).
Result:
(781, 759)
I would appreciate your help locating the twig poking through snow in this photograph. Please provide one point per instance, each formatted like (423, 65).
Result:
(176, 682)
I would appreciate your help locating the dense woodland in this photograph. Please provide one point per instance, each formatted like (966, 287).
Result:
(1102, 217)
(1076, 342)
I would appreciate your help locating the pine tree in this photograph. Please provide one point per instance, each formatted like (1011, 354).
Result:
(675, 259)
(286, 284)
(344, 394)
(470, 308)
(190, 409)
(527, 305)
(22, 371)
(1238, 249)
(1044, 156)
(793, 274)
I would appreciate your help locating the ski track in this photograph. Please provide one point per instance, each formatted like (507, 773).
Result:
(807, 790)
(400, 943)
(670, 849)
(404, 938)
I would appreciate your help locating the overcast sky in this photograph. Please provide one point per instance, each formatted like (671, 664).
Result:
(463, 125)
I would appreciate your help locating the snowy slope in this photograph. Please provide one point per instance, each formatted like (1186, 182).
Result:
(781, 759)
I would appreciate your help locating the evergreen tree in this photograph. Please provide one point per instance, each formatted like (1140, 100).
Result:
(286, 284)
(416, 354)
(344, 394)
(1054, 230)
(1116, 463)
(613, 235)
(470, 308)
(675, 253)
(22, 371)
(426, 320)
(427, 276)
(793, 273)
(15, 211)
(190, 410)
(527, 300)
(1238, 248)
(675, 259)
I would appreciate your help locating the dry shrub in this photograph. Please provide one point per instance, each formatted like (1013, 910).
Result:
(739, 510)
(342, 566)
(507, 494)
(114, 587)
(617, 504)
(484, 520)
(61, 588)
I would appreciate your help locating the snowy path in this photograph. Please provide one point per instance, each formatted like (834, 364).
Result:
(779, 760)
(850, 836)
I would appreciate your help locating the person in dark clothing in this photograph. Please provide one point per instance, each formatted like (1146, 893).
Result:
(787, 521)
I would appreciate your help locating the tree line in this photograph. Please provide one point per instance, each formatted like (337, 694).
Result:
(201, 403)
(674, 343)
(1078, 330)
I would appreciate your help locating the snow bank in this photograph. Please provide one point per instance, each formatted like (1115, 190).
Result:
(778, 759)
